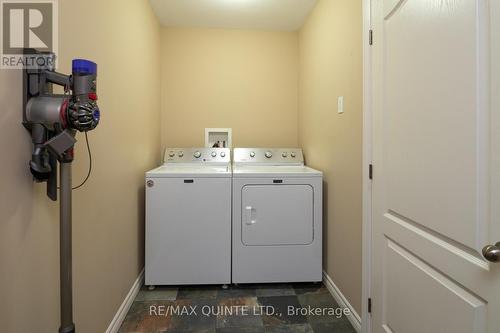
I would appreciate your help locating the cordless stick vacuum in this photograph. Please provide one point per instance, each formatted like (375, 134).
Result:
(53, 121)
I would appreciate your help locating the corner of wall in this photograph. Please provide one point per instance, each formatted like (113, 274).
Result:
(330, 62)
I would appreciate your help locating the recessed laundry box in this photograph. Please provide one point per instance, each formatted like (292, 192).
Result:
(277, 217)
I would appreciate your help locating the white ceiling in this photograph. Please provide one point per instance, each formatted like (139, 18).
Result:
(234, 14)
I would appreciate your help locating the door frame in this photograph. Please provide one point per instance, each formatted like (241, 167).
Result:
(367, 161)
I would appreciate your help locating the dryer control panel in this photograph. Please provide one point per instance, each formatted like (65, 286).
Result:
(197, 155)
(268, 156)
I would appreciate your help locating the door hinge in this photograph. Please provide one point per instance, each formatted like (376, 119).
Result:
(369, 305)
(370, 37)
(370, 171)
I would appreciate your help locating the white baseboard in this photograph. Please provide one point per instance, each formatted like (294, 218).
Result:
(354, 318)
(115, 324)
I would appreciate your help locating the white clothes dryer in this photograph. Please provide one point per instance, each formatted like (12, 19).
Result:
(277, 217)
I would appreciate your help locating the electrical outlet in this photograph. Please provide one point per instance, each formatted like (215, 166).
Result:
(340, 104)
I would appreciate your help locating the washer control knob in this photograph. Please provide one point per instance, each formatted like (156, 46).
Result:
(214, 154)
(171, 154)
(284, 154)
(252, 154)
(180, 154)
(269, 154)
(223, 154)
(293, 154)
(197, 154)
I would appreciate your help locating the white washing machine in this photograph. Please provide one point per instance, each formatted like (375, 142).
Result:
(188, 218)
(277, 217)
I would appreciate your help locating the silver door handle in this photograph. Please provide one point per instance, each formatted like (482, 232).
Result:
(492, 252)
(250, 219)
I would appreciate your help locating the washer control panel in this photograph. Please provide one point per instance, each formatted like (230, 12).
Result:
(197, 155)
(280, 156)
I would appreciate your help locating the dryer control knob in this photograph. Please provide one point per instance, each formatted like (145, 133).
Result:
(214, 154)
(293, 154)
(269, 154)
(171, 154)
(197, 154)
(180, 154)
(252, 154)
(284, 154)
(223, 154)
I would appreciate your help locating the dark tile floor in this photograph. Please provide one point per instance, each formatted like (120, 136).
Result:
(267, 308)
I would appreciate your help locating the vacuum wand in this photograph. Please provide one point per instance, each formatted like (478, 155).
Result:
(53, 121)
(65, 248)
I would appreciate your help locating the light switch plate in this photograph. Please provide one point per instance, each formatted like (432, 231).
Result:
(340, 104)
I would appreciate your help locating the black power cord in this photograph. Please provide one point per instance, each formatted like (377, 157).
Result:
(90, 164)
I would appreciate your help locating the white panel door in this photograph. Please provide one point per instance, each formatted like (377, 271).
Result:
(277, 215)
(436, 156)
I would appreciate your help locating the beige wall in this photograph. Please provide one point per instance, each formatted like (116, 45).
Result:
(331, 66)
(123, 37)
(245, 80)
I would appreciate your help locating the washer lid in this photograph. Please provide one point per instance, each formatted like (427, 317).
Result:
(259, 171)
(190, 171)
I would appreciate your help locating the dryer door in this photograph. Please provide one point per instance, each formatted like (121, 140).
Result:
(277, 215)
